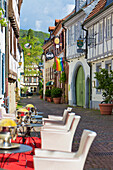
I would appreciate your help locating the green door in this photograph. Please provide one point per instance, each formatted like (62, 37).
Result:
(80, 87)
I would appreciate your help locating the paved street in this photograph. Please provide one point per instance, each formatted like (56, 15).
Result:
(100, 156)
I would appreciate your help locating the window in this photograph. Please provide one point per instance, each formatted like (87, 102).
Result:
(29, 79)
(72, 35)
(4, 6)
(0, 3)
(108, 67)
(31, 89)
(69, 37)
(76, 33)
(50, 73)
(14, 42)
(34, 79)
(108, 27)
(100, 32)
(10, 39)
(91, 37)
(97, 83)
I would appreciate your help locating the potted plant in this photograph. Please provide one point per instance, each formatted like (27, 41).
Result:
(48, 95)
(105, 80)
(56, 94)
(41, 93)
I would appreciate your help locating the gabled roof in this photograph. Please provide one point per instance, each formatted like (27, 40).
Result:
(51, 28)
(101, 4)
(69, 15)
(108, 2)
(57, 21)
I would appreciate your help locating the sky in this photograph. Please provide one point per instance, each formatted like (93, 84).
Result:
(40, 14)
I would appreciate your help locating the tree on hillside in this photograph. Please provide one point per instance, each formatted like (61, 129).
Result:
(30, 33)
(32, 50)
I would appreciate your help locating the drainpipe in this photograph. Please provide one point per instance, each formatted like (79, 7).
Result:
(6, 52)
(65, 43)
(86, 53)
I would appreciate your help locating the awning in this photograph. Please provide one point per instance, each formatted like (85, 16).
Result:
(49, 83)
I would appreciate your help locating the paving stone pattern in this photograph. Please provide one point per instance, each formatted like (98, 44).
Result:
(100, 156)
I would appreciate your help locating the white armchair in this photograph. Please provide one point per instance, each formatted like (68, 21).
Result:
(59, 140)
(55, 117)
(44, 159)
(58, 120)
(60, 126)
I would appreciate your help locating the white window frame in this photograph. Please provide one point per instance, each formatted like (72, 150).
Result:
(108, 27)
(100, 31)
(34, 79)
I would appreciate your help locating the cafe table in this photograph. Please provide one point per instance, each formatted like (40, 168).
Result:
(26, 133)
(21, 148)
(37, 118)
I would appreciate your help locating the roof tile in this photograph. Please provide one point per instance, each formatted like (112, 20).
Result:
(101, 4)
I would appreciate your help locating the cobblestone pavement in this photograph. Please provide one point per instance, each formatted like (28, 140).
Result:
(100, 156)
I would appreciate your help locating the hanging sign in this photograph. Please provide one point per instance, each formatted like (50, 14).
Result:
(49, 55)
(80, 43)
(56, 41)
(80, 50)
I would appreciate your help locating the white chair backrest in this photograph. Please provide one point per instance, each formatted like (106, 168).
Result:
(69, 120)
(74, 124)
(66, 111)
(86, 140)
(72, 130)
(69, 109)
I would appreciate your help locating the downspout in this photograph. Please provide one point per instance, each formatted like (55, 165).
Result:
(65, 43)
(86, 54)
(66, 60)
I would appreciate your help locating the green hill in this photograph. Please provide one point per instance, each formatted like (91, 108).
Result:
(39, 34)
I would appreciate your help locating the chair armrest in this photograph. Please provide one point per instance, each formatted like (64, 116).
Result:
(55, 117)
(51, 121)
(54, 127)
(53, 154)
(42, 163)
(51, 128)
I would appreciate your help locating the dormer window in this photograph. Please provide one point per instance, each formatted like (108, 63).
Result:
(79, 4)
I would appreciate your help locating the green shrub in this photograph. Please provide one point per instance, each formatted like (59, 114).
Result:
(105, 80)
(48, 93)
(41, 92)
(56, 92)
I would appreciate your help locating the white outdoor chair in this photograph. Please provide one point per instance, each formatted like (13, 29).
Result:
(61, 125)
(4, 115)
(55, 117)
(48, 121)
(54, 160)
(59, 140)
